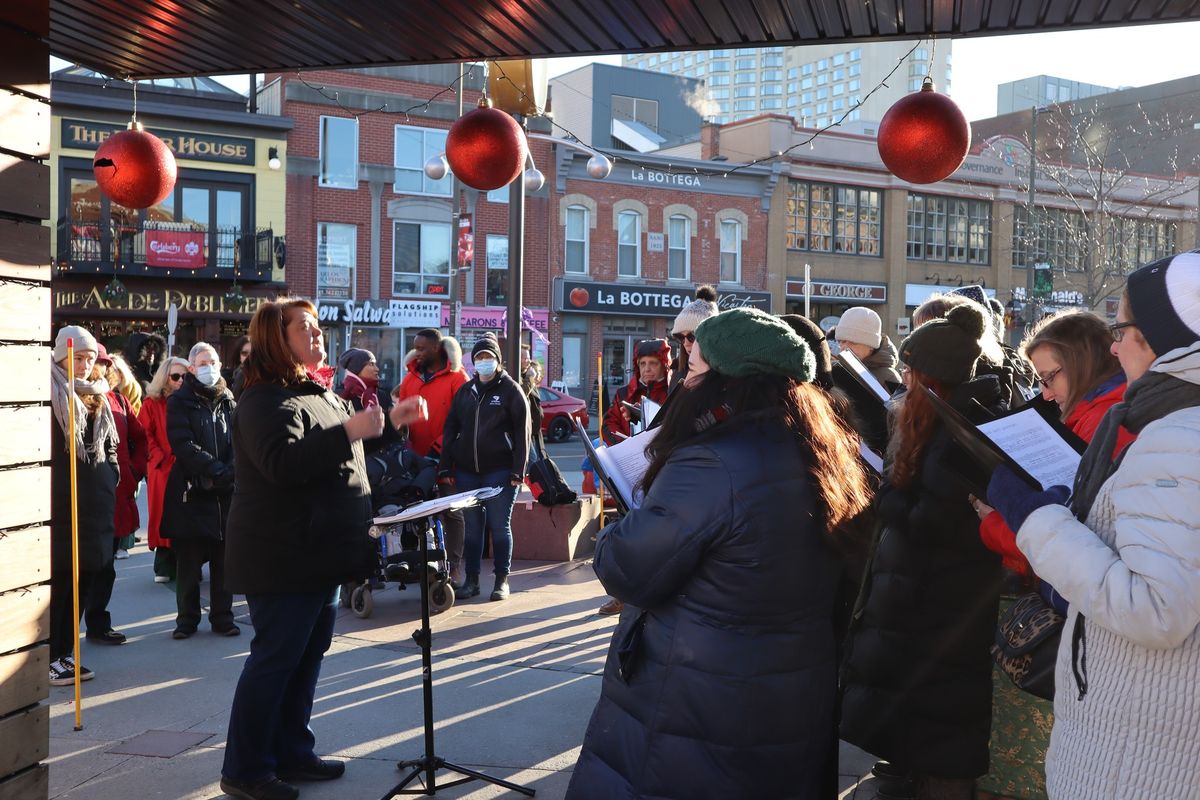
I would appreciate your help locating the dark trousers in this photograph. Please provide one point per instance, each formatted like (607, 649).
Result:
(190, 555)
(95, 613)
(164, 562)
(268, 724)
(62, 628)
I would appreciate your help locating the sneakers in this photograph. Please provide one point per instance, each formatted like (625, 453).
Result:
(106, 637)
(120, 554)
(161, 579)
(62, 672)
(267, 789)
(613, 606)
(500, 590)
(470, 588)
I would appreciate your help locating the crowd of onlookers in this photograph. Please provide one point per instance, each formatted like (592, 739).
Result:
(776, 592)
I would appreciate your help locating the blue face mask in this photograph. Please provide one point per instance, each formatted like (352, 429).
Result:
(486, 368)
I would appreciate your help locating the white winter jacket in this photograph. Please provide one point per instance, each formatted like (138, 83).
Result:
(1133, 570)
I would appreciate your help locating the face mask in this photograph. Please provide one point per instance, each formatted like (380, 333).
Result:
(485, 368)
(209, 374)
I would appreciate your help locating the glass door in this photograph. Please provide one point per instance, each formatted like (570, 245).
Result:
(617, 370)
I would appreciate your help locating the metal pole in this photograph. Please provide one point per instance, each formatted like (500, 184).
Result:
(455, 206)
(1031, 238)
(516, 248)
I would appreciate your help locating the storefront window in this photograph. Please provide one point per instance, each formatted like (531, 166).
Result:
(335, 260)
(421, 258)
(339, 153)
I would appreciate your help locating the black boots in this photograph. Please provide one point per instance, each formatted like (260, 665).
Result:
(470, 588)
(500, 590)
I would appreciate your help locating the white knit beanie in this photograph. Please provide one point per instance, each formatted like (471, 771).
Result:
(695, 312)
(860, 325)
(82, 341)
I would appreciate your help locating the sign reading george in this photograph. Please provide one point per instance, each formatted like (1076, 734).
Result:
(824, 291)
(184, 144)
(655, 301)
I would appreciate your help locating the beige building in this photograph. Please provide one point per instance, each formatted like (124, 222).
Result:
(870, 238)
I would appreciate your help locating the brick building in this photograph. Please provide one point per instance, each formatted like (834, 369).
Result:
(372, 237)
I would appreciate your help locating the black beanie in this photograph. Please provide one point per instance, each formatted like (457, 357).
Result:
(946, 349)
(1164, 301)
(814, 337)
(486, 344)
(354, 359)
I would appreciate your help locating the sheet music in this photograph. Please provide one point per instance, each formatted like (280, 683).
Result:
(625, 463)
(650, 411)
(860, 371)
(440, 504)
(1030, 441)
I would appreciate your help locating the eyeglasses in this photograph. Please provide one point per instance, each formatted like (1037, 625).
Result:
(689, 337)
(1118, 329)
(176, 376)
(245, 354)
(1048, 378)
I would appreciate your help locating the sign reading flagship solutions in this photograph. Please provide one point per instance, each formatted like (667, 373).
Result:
(656, 301)
(184, 144)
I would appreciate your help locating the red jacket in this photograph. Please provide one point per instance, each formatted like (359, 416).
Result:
(131, 459)
(614, 420)
(1083, 421)
(426, 435)
(153, 418)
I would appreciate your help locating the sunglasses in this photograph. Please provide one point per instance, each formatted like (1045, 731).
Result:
(176, 376)
(1118, 329)
(690, 338)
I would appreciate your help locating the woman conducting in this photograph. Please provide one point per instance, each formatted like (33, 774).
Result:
(720, 680)
(297, 530)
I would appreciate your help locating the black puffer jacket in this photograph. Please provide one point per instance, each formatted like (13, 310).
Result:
(302, 504)
(199, 488)
(487, 429)
(917, 683)
(96, 494)
(733, 684)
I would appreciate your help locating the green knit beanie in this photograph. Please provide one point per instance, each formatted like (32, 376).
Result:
(746, 341)
(946, 349)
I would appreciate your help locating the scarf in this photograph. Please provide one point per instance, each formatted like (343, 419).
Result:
(209, 394)
(103, 428)
(322, 376)
(363, 389)
(1149, 398)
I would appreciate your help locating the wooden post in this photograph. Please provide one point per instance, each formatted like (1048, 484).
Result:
(600, 425)
(24, 404)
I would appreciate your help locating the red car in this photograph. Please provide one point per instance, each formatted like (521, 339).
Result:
(558, 411)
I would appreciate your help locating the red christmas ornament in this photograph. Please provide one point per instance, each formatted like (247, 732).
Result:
(924, 137)
(486, 148)
(135, 168)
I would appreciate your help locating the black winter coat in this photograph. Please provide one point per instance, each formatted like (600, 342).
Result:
(96, 494)
(302, 504)
(734, 679)
(917, 683)
(487, 429)
(200, 486)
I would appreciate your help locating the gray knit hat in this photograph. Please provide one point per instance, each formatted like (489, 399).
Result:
(695, 312)
(82, 339)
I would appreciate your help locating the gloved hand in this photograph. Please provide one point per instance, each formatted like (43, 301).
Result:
(1016, 500)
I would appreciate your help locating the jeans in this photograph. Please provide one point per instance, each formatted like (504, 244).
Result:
(268, 724)
(495, 513)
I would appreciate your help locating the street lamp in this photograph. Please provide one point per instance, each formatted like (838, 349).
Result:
(1031, 239)
(598, 166)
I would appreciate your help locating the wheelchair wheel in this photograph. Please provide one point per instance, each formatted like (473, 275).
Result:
(362, 601)
(441, 597)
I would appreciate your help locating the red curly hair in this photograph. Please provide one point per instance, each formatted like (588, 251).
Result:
(914, 426)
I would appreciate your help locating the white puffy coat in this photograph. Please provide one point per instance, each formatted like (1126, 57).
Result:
(1133, 570)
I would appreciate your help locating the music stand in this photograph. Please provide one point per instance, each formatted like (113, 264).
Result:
(429, 764)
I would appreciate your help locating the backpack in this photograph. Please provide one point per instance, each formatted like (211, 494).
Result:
(399, 476)
(546, 481)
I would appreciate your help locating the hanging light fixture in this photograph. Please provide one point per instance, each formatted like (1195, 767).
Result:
(924, 137)
(133, 167)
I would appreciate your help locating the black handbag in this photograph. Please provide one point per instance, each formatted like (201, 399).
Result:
(552, 488)
(1026, 645)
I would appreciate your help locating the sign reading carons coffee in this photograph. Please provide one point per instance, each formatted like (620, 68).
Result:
(634, 300)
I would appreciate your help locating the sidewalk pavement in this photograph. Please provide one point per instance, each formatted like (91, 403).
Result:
(514, 685)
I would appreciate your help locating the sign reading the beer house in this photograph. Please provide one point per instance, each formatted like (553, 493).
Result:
(640, 300)
(184, 144)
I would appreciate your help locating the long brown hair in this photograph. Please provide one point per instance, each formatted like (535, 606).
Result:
(271, 360)
(1081, 343)
(914, 426)
(92, 402)
(828, 446)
